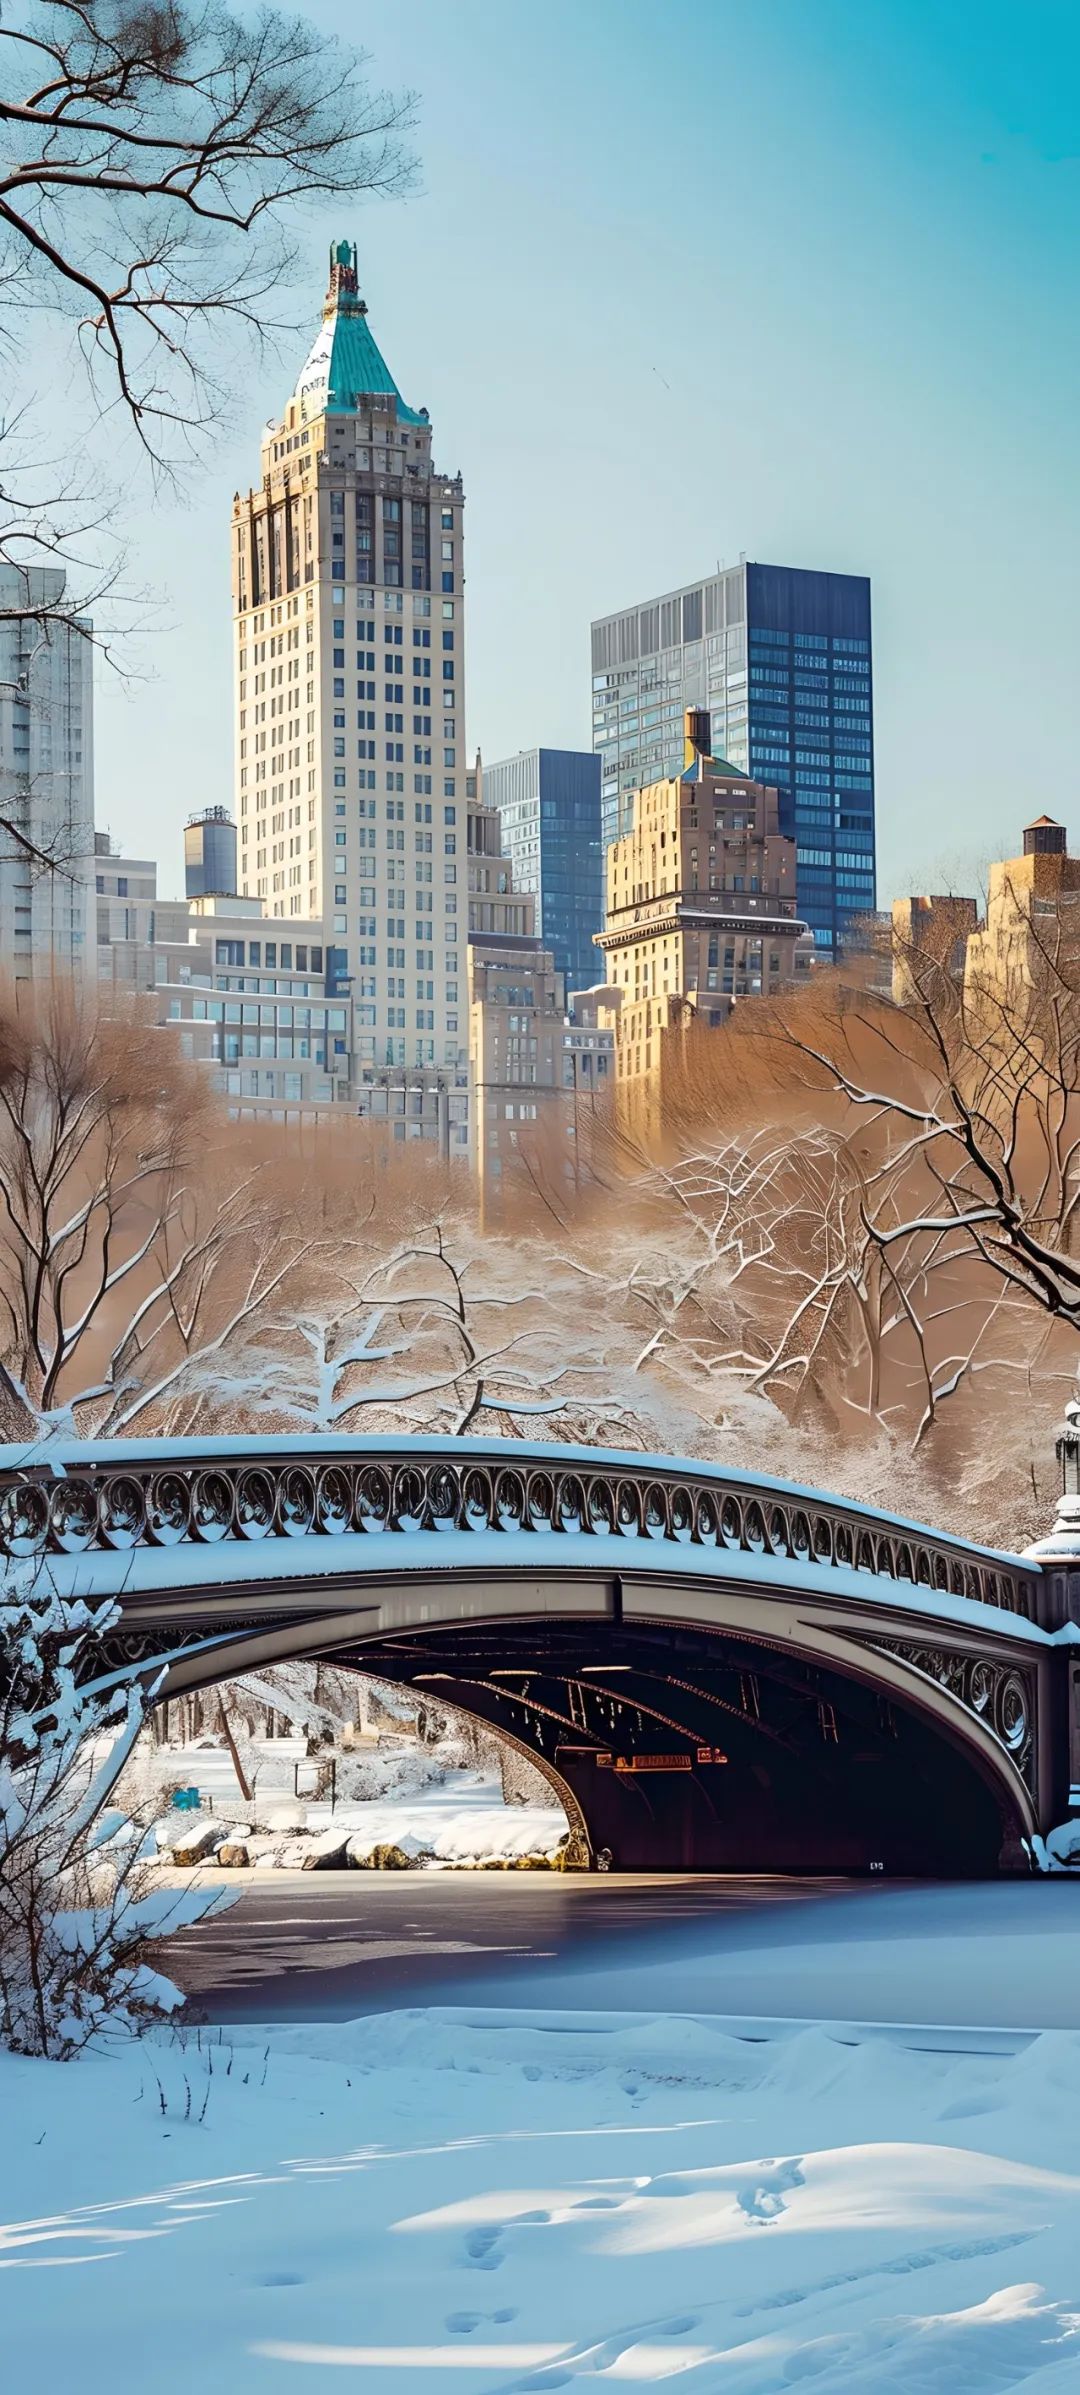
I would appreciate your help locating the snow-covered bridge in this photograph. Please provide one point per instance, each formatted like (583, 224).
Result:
(717, 1671)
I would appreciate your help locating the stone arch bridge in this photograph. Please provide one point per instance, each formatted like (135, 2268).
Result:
(716, 1671)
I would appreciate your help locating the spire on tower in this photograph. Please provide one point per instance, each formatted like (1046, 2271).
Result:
(345, 368)
(343, 289)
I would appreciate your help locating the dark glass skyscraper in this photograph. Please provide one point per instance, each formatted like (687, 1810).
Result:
(781, 657)
(549, 801)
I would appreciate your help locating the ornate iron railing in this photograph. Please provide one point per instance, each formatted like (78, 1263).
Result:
(302, 1489)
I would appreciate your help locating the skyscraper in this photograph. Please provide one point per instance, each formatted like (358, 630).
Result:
(549, 801)
(46, 778)
(781, 657)
(350, 739)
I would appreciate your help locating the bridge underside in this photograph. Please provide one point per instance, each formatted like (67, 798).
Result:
(683, 1749)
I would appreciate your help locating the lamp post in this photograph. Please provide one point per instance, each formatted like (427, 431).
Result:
(1059, 1606)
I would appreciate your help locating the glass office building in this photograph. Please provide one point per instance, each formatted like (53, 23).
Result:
(782, 659)
(549, 802)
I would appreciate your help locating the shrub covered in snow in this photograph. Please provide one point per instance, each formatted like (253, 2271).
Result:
(75, 1908)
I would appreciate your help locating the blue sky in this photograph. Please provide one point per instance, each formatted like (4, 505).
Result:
(796, 278)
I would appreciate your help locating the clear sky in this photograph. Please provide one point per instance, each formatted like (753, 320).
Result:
(796, 279)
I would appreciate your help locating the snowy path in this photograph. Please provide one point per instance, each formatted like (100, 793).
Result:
(522, 2203)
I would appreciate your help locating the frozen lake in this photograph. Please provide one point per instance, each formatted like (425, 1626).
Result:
(331, 1946)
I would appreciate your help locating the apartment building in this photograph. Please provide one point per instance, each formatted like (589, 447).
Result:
(701, 911)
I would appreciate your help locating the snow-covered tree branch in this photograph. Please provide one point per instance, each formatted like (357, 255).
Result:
(966, 1097)
(154, 159)
(75, 1911)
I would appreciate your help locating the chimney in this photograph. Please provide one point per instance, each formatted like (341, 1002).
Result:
(697, 730)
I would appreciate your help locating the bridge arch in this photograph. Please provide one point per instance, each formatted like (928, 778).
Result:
(696, 1654)
(693, 1673)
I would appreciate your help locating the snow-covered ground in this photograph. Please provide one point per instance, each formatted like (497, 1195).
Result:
(456, 1817)
(471, 1826)
(510, 2202)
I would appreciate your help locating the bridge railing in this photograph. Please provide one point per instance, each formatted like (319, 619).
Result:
(288, 1489)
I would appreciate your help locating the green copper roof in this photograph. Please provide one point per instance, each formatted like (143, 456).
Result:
(716, 766)
(346, 365)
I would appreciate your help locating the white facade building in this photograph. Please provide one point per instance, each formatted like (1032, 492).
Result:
(46, 779)
(349, 666)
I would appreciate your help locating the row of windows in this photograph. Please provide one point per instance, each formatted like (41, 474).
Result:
(396, 1018)
(395, 988)
(251, 1043)
(365, 664)
(269, 952)
(393, 637)
(817, 641)
(268, 1018)
(772, 689)
(393, 604)
(252, 1085)
(425, 962)
(828, 856)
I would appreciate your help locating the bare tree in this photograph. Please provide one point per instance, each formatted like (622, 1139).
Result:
(155, 156)
(760, 1259)
(155, 151)
(429, 1331)
(968, 1098)
(139, 1232)
(888, 1189)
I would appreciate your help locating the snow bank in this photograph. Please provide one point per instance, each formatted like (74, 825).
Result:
(1063, 1845)
(527, 2201)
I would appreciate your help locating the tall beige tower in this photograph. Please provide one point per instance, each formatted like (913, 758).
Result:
(349, 663)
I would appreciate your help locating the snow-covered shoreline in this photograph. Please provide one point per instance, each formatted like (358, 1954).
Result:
(431, 1817)
(435, 1830)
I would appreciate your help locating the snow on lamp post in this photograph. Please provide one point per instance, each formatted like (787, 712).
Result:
(1059, 1557)
(1067, 1450)
(1062, 1547)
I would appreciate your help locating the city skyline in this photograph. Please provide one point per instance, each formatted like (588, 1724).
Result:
(884, 354)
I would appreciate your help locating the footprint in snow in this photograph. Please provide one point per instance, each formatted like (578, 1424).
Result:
(482, 2249)
(481, 2245)
(625, 2346)
(462, 2324)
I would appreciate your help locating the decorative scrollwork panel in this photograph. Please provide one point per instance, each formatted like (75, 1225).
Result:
(999, 1694)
